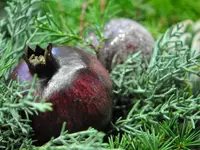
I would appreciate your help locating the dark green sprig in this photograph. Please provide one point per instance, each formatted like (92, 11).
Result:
(18, 102)
(161, 92)
(166, 135)
(16, 32)
(5, 53)
(90, 139)
(15, 110)
(15, 107)
(164, 91)
(57, 29)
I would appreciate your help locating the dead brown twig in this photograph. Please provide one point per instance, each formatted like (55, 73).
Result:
(82, 16)
(84, 8)
(102, 5)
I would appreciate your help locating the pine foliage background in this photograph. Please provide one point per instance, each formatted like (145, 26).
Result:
(159, 103)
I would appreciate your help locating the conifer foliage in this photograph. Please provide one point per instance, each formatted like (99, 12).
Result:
(157, 105)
